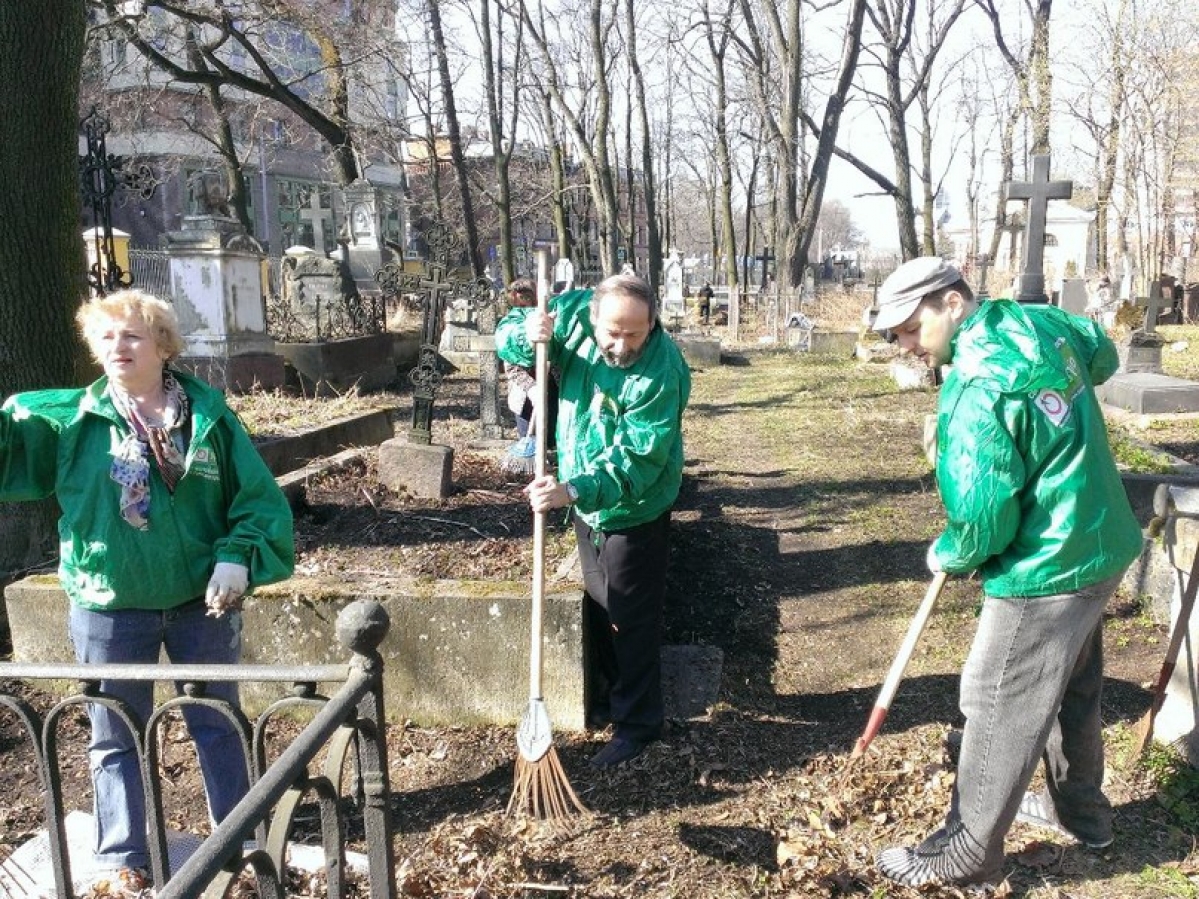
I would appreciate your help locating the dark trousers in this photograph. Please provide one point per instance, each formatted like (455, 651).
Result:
(624, 573)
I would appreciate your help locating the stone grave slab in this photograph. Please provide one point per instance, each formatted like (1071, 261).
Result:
(700, 352)
(1149, 393)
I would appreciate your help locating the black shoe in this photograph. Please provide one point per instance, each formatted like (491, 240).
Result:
(599, 717)
(617, 751)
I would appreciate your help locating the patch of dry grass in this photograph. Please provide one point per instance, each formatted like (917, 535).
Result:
(280, 414)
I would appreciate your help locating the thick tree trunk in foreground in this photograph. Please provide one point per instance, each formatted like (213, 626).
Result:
(41, 251)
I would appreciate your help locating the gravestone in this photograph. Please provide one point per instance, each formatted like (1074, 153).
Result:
(363, 249)
(217, 291)
(417, 465)
(1074, 298)
(674, 308)
(564, 275)
(1178, 721)
(1038, 192)
(1139, 386)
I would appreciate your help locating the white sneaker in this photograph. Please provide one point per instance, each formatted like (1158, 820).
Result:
(1038, 811)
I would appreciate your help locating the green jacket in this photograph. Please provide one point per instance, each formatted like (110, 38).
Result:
(619, 432)
(227, 507)
(1031, 491)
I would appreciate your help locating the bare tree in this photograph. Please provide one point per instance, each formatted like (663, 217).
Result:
(592, 144)
(285, 51)
(801, 185)
(894, 21)
(1034, 77)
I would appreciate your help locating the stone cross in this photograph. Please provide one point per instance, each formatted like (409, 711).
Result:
(765, 257)
(314, 214)
(1153, 304)
(983, 261)
(1038, 192)
(435, 289)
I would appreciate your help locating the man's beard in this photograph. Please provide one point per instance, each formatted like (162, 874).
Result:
(627, 359)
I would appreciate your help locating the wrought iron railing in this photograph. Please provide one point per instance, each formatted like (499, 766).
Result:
(151, 271)
(351, 719)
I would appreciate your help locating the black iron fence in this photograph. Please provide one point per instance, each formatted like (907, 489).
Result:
(348, 727)
(151, 272)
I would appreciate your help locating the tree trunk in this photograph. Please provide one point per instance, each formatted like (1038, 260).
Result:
(649, 182)
(457, 154)
(42, 270)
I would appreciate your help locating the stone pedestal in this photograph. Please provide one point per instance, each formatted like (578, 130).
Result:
(1141, 351)
(464, 346)
(1178, 720)
(424, 470)
(216, 286)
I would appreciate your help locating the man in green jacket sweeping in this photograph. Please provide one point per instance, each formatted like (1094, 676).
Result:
(1035, 505)
(622, 389)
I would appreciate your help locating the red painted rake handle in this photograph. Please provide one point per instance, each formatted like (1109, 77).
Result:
(883, 704)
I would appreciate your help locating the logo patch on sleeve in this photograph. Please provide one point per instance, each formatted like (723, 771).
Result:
(1053, 404)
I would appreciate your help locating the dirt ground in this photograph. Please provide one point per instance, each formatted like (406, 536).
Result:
(798, 551)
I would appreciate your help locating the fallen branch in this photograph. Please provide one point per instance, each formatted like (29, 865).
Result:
(460, 524)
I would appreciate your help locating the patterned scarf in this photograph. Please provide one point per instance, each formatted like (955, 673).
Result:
(131, 457)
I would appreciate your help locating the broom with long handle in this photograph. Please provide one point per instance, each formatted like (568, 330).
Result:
(541, 787)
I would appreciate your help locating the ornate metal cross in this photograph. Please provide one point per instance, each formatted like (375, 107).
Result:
(1038, 192)
(435, 289)
(100, 174)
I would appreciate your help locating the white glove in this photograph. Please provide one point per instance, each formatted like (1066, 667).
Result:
(931, 559)
(225, 588)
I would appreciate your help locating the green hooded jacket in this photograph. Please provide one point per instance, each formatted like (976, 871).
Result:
(227, 507)
(1031, 491)
(620, 436)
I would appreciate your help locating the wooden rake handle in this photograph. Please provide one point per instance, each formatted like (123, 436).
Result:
(541, 388)
(1144, 728)
(881, 706)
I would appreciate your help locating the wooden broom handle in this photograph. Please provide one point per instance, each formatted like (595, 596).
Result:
(541, 389)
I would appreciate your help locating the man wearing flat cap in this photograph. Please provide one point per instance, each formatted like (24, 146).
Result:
(1035, 505)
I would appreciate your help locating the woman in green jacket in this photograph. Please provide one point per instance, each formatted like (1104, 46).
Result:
(1035, 505)
(169, 516)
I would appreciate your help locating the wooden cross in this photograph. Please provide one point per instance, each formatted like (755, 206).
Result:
(435, 289)
(1038, 192)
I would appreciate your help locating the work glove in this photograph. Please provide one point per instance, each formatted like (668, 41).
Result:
(225, 588)
(930, 559)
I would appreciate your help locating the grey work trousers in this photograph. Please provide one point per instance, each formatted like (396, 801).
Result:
(1030, 690)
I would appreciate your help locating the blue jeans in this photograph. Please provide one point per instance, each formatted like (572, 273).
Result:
(1031, 691)
(132, 636)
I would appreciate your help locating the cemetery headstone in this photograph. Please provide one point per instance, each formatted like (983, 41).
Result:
(364, 249)
(217, 291)
(1140, 386)
(1038, 192)
(417, 465)
(1074, 296)
(564, 275)
(674, 309)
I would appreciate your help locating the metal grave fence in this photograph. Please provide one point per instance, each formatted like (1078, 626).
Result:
(254, 837)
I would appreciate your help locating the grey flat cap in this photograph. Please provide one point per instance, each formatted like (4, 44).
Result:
(905, 287)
